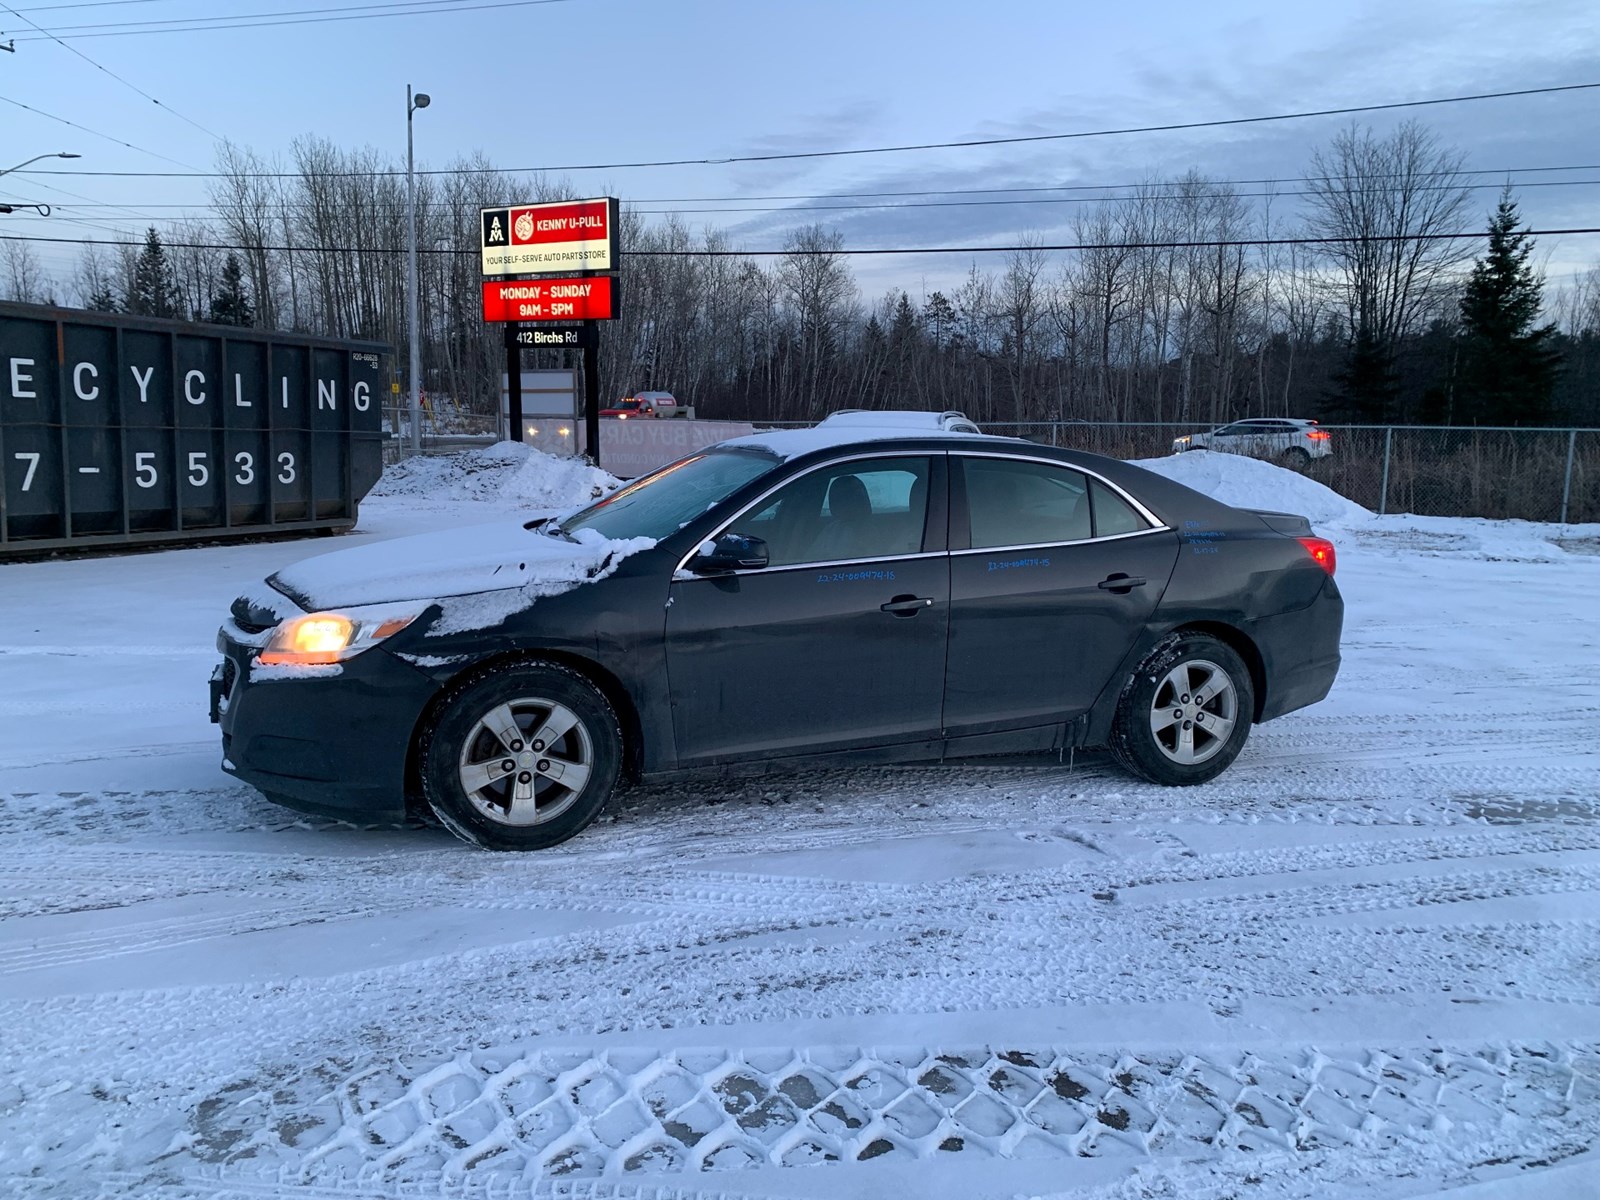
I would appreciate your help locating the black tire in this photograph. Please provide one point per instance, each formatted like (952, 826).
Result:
(527, 808)
(1295, 458)
(1182, 660)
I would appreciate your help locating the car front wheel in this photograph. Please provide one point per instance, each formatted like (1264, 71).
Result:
(520, 758)
(1184, 715)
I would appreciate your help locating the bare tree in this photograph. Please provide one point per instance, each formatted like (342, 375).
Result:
(249, 202)
(95, 280)
(23, 276)
(1020, 305)
(820, 293)
(1385, 202)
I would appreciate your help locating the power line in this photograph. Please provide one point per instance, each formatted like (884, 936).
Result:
(108, 71)
(805, 208)
(39, 112)
(1077, 187)
(1091, 187)
(49, 8)
(811, 154)
(127, 213)
(200, 21)
(267, 20)
(1215, 244)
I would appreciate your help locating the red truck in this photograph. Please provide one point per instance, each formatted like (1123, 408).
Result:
(647, 404)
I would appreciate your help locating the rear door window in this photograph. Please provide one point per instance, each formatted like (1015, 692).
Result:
(1113, 515)
(1015, 503)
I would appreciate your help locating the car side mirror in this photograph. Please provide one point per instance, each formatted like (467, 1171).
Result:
(730, 552)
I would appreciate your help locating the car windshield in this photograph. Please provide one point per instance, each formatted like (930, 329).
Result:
(662, 503)
(627, 404)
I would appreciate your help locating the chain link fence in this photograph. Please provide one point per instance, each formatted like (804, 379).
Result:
(441, 433)
(1429, 470)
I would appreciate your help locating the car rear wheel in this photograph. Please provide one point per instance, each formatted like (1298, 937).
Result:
(1184, 715)
(1296, 458)
(521, 758)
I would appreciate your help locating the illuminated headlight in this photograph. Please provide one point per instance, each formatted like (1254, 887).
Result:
(323, 638)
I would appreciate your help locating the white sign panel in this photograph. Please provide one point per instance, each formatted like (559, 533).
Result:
(569, 235)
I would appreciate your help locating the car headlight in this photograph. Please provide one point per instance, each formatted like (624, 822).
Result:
(324, 638)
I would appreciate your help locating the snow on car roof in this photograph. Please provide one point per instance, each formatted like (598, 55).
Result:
(792, 443)
(885, 417)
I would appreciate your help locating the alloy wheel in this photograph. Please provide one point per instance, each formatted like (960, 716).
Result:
(526, 761)
(1193, 712)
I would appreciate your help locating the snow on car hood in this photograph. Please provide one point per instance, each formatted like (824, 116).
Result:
(454, 562)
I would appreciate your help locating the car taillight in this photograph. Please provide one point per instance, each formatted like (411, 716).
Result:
(1318, 435)
(1321, 549)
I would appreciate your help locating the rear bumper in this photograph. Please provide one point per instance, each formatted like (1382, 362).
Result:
(1300, 651)
(330, 741)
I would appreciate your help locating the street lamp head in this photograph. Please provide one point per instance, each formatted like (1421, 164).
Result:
(68, 154)
(422, 100)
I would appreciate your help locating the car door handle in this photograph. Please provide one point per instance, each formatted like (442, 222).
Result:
(906, 606)
(1120, 584)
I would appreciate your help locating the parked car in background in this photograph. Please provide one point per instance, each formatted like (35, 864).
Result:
(811, 595)
(1288, 440)
(647, 404)
(900, 418)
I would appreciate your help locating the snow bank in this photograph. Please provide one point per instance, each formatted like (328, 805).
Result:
(1250, 483)
(506, 474)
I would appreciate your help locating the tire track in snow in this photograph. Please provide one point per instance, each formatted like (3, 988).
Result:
(147, 936)
(545, 1114)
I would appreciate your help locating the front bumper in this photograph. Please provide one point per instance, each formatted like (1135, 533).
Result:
(332, 741)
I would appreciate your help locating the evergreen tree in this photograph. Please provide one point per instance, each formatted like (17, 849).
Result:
(1366, 385)
(102, 300)
(940, 316)
(231, 306)
(904, 330)
(152, 293)
(1508, 366)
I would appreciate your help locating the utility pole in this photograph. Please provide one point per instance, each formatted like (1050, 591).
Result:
(421, 100)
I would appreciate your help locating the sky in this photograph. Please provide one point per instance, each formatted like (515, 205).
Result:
(564, 83)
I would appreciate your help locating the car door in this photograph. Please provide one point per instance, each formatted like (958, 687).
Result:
(1053, 573)
(839, 642)
(1276, 437)
(1235, 439)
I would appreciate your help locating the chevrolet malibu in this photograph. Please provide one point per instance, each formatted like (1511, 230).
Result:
(803, 597)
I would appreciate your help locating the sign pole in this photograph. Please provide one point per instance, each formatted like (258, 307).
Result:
(591, 392)
(513, 384)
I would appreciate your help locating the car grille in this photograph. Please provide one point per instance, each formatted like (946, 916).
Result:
(230, 676)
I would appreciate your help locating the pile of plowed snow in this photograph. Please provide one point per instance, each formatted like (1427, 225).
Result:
(1250, 483)
(506, 475)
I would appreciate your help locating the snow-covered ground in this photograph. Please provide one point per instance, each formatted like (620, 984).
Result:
(1362, 964)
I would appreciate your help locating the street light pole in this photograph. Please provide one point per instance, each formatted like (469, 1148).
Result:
(37, 157)
(420, 100)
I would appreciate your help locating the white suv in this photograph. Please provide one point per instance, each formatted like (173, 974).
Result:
(1290, 441)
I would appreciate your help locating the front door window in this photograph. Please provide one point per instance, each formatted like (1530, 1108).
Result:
(870, 508)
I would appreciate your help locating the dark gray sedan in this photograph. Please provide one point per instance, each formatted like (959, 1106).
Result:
(802, 597)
